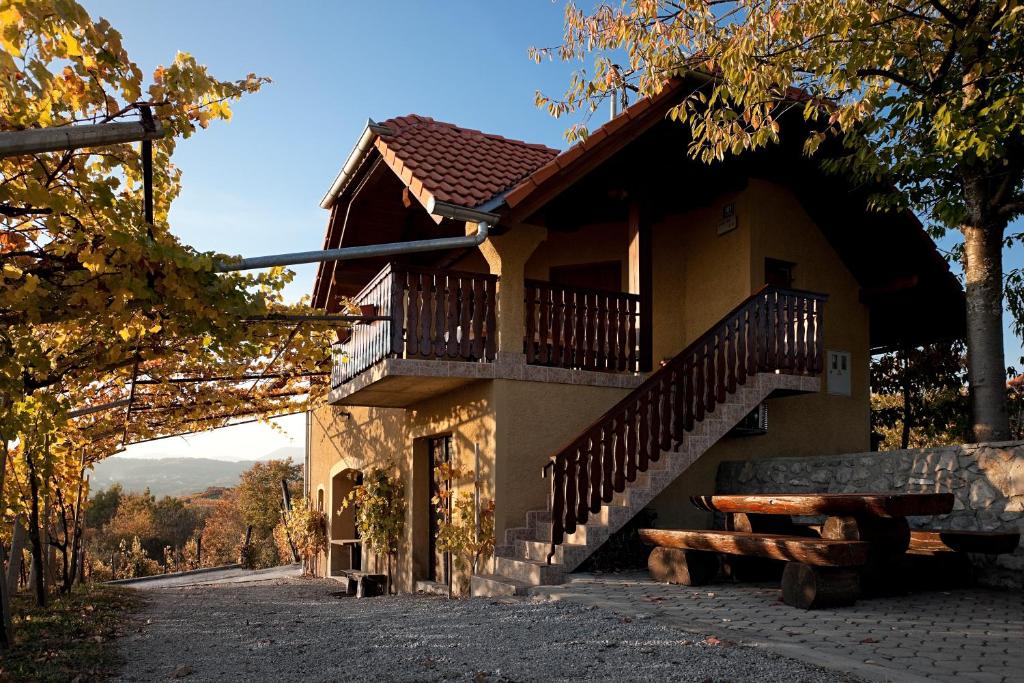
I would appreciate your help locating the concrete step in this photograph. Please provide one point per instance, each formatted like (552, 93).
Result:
(565, 553)
(513, 534)
(493, 586)
(528, 571)
(591, 534)
(535, 516)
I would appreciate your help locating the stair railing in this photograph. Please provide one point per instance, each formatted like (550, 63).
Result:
(774, 330)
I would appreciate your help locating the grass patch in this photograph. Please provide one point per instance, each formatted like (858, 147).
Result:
(71, 639)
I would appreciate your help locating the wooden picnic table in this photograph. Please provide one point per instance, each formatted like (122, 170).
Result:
(862, 537)
(885, 505)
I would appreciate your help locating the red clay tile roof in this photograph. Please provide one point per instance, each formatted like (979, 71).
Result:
(444, 162)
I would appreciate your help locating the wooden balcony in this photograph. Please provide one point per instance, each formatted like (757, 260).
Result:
(437, 329)
(423, 315)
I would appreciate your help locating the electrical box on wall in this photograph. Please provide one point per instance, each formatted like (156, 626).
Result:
(838, 372)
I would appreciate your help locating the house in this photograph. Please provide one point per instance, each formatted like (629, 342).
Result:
(632, 318)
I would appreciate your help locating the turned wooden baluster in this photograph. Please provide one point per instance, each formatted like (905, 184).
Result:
(572, 473)
(490, 320)
(631, 442)
(531, 323)
(397, 313)
(440, 314)
(558, 500)
(412, 339)
(544, 317)
(478, 318)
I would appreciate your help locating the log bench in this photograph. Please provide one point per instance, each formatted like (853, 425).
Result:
(936, 559)
(818, 572)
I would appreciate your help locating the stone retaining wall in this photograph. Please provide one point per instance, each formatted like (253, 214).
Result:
(986, 478)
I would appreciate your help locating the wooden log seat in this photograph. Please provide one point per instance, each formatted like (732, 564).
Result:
(930, 541)
(812, 551)
(819, 572)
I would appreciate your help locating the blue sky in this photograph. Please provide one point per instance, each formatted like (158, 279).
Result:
(253, 186)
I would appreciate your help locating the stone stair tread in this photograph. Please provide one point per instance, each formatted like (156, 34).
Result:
(518, 587)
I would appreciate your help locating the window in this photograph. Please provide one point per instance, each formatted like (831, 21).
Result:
(778, 273)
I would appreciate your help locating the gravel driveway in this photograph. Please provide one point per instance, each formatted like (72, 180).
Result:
(303, 630)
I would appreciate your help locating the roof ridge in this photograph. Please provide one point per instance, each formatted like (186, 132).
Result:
(410, 120)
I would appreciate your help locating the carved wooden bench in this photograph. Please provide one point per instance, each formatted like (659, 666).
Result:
(818, 573)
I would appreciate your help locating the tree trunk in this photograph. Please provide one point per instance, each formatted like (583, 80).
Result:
(6, 636)
(18, 535)
(905, 436)
(986, 367)
(38, 556)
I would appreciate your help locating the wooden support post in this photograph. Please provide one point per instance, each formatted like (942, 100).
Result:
(810, 587)
(641, 282)
(684, 567)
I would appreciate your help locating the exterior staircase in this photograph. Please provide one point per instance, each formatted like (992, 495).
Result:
(770, 344)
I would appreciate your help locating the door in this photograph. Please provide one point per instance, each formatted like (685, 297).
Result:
(606, 276)
(439, 451)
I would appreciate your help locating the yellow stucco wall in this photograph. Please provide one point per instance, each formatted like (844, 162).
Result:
(535, 420)
(776, 226)
(380, 437)
(697, 276)
(594, 244)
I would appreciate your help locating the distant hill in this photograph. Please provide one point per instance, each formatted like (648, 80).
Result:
(296, 453)
(167, 476)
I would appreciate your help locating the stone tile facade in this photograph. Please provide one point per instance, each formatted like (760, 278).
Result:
(986, 478)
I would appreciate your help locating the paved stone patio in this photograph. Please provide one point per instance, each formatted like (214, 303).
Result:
(964, 635)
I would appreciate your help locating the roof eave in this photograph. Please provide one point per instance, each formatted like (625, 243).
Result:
(370, 134)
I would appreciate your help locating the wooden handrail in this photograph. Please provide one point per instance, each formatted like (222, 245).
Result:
(773, 329)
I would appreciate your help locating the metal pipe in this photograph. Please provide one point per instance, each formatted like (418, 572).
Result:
(355, 157)
(79, 412)
(369, 251)
(20, 142)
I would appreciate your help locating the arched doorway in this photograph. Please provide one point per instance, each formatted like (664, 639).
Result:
(345, 548)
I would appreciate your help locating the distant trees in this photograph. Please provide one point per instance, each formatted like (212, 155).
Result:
(919, 396)
(130, 532)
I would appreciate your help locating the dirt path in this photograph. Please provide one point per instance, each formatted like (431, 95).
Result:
(274, 629)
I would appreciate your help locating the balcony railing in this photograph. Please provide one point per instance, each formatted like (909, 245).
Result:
(426, 313)
(580, 328)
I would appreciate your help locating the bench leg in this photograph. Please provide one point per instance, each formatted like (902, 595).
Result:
(810, 587)
(685, 567)
(889, 539)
